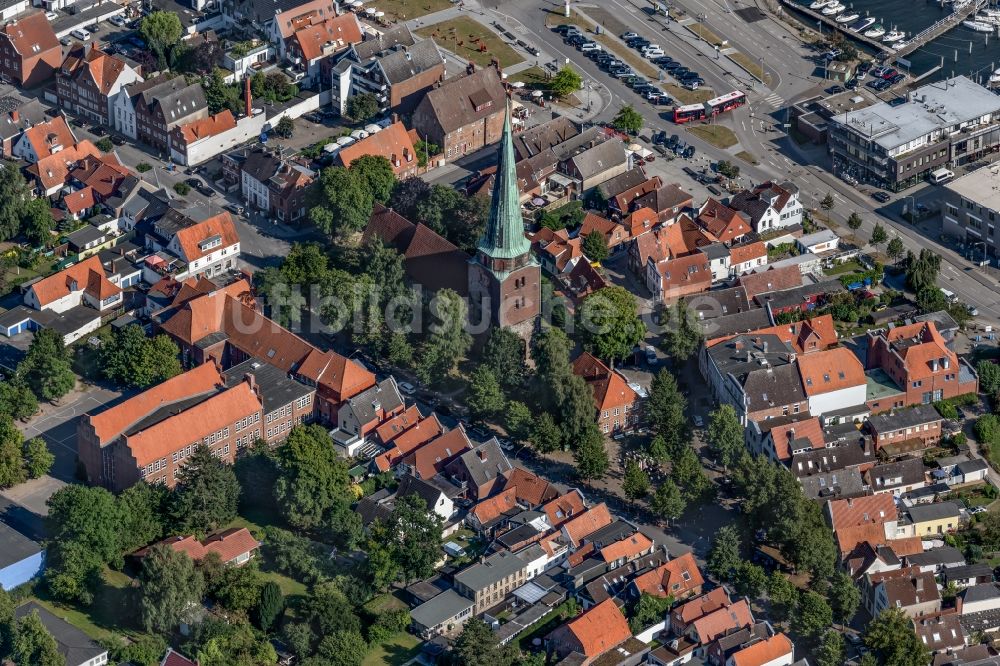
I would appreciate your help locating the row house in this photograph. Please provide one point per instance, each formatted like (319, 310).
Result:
(591, 164)
(725, 224)
(616, 402)
(285, 401)
(678, 579)
(223, 323)
(316, 43)
(909, 589)
(30, 53)
(873, 519)
(833, 380)
(50, 174)
(199, 140)
(392, 65)
(479, 471)
(414, 432)
(395, 143)
(361, 414)
(621, 191)
(917, 360)
(599, 631)
(906, 430)
(281, 25)
(147, 111)
(209, 247)
(541, 138)
(269, 182)
(89, 82)
(140, 440)
(489, 582)
(16, 117)
(676, 264)
(44, 140)
(770, 206)
(463, 114)
(805, 336)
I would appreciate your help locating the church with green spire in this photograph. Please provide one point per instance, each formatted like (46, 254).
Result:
(504, 277)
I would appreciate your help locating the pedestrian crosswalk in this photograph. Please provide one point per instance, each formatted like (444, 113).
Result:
(775, 100)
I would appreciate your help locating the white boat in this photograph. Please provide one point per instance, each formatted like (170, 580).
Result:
(989, 11)
(995, 78)
(820, 4)
(893, 36)
(875, 32)
(986, 18)
(862, 24)
(835, 8)
(847, 17)
(979, 26)
(899, 46)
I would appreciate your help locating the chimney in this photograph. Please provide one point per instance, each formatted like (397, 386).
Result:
(919, 582)
(395, 118)
(248, 97)
(482, 454)
(15, 116)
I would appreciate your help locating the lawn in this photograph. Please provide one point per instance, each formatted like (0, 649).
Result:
(719, 136)
(111, 610)
(471, 40)
(534, 78)
(408, 9)
(704, 33)
(747, 157)
(749, 64)
(289, 586)
(845, 267)
(395, 651)
(685, 96)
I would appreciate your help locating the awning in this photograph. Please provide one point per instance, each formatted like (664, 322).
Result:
(560, 179)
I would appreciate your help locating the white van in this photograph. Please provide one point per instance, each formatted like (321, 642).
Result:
(941, 176)
(82, 35)
(950, 295)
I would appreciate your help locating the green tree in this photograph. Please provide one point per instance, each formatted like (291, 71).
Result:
(343, 648)
(12, 468)
(362, 107)
(545, 434)
(831, 650)
(728, 169)
(784, 596)
(827, 202)
(668, 503)
(595, 246)
(892, 640)
(88, 516)
(611, 323)
(813, 615)
(238, 588)
(7, 623)
(628, 120)
(879, 235)
(219, 95)
(132, 359)
(36, 219)
(46, 366)
(285, 127)
(844, 596)
(987, 429)
(683, 334)
(376, 171)
(34, 645)
(519, 420)
(171, 588)
(854, 221)
(314, 483)
(37, 458)
(142, 510)
(162, 31)
(206, 495)
(591, 456)
(346, 202)
(565, 82)
(895, 249)
(503, 353)
(648, 611)
(410, 540)
(725, 435)
(448, 341)
(690, 476)
(749, 579)
(922, 270)
(270, 606)
(989, 377)
(231, 642)
(724, 555)
(666, 410)
(485, 396)
(17, 399)
(635, 484)
(477, 646)
(15, 198)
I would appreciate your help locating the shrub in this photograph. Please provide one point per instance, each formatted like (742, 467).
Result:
(182, 188)
(142, 167)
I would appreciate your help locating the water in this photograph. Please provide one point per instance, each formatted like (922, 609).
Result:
(912, 16)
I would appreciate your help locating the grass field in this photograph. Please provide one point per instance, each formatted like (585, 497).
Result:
(534, 78)
(747, 157)
(472, 41)
(719, 136)
(685, 96)
(109, 613)
(408, 9)
(704, 33)
(749, 64)
(398, 650)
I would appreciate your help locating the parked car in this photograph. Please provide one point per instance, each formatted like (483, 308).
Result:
(881, 196)
(650, 355)
(629, 35)
(117, 21)
(51, 16)
(977, 509)
(65, 41)
(833, 90)
(406, 388)
(898, 78)
(82, 35)
(889, 73)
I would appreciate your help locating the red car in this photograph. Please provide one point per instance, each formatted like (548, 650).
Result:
(888, 75)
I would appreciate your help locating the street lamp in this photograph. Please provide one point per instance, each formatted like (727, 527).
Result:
(972, 253)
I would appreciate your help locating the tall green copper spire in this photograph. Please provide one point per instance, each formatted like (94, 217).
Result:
(504, 237)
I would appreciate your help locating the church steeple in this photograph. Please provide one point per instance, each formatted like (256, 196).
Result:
(504, 239)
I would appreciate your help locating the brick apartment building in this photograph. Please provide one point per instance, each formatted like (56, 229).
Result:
(149, 436)
(916, 358)
(165, 105)
(29, 51)
(463, 114)
(286, 402)
(89, 80)
(616, 402)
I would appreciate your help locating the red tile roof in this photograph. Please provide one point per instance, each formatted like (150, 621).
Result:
(624, 200)
(112, 422)
(722, 621)
(742, 253)
(176, 659)
(675, 578)
(701, 606)
(599, 629)
(207, 127)
(764, 652)
(808, 335)
(531, 488)
(53, 170)
(924, 346)
(311, 11)
(493, 507)
(31, 35)
(393, 143)
(212, 414)
(50, 137)
(810, 430)
(414, 437)
(563, 508)
(873, 509)
(339, 33)
(75, 278)
(431, 458)
(79, 201)
(189, 238)
(103, 69)
(723, 222)
(614, 234)
(831, 370)
(389, 430)
(630, 548)
(586, 523)
(640, 221)
(772, 279)
(610, 388)
(228, 545)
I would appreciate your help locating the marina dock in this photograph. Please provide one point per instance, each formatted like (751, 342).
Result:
(930, 33)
